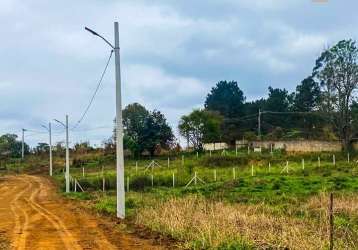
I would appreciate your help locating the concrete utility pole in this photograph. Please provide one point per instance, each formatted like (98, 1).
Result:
(50, 145)
(23, 144)
(67, 159)
(119, 124)
(67, 175)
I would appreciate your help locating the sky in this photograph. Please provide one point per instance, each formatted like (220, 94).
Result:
(172, 54)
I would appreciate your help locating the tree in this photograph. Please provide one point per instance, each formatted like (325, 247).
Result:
(226, 98)
(337, 71)
(200, 126)
(42, 148)
(9, 145)
(145, 130)
(307, 96)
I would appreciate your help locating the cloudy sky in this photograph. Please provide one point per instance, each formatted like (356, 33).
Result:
(172, 53)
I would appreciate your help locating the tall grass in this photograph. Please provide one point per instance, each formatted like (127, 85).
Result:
(203, 224)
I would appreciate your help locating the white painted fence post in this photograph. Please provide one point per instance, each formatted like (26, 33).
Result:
(136, 167)
(252, 170)
(195, 180)
(236, 150)
(248, 149)
(215, 175)
(303, 164)
(152, 180)
(287, 167)
(197, 155)
(233, 173)
(269, 167)
(173, 180)
(334, 160)
(319, 161)
(348, 157)
(83, 171)
(75, 185)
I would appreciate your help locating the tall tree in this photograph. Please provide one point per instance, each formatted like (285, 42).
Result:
(145, 130)
(307, 96)
(226, 98)
(200, 126)
(337, 71)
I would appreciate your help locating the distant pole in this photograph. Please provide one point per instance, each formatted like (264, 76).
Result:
(197, 155)
(83, 171)
(259, 125)
(210, 153)
(215, 175)
(233, 173)
(67, 159)
(23, 144)
(319, 161)
(252, 170)
(168, 162)
(348, 157)
(50, 144)
(303, 164)
(136, 167)
(269, 167)
(271, 149)
(236, 150)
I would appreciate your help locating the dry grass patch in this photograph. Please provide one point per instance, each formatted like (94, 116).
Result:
(202, 224)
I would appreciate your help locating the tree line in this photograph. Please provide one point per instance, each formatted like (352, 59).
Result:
(323, 106)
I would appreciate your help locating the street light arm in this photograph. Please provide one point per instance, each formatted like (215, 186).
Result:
(96, 34)
(45, 127)
(60, 122)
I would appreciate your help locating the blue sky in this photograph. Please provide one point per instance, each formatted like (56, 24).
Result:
(172, 53)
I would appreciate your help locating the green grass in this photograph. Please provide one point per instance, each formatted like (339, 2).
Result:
(282, 192)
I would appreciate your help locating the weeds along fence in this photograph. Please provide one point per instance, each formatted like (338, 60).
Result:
(181, 171)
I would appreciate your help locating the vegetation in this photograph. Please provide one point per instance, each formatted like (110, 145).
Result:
(273, 208)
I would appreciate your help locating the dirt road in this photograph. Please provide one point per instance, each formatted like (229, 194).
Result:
(34, 216)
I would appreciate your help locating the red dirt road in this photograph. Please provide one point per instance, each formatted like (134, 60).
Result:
(34, 216)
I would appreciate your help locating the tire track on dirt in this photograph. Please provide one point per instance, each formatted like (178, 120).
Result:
(66, 236)
(20, 230)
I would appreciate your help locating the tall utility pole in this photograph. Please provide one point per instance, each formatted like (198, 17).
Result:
(259, 125)
(23, 144)
(67, 175)
(119, 128)
(67, 159)
(119, 125)
(50, 145)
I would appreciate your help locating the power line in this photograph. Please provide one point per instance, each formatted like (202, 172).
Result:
(94, 94)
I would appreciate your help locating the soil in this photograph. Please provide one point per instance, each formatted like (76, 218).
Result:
(34, 216)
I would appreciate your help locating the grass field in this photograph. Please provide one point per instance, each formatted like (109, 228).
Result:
(264, 201)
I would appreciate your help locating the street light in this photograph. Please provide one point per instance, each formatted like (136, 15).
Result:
(23, 144)
(50, 144)
(119, 125)
(67, 175)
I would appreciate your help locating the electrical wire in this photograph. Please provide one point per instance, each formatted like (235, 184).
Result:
(94, 94)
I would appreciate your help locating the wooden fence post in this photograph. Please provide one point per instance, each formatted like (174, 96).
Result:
(331, 221)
